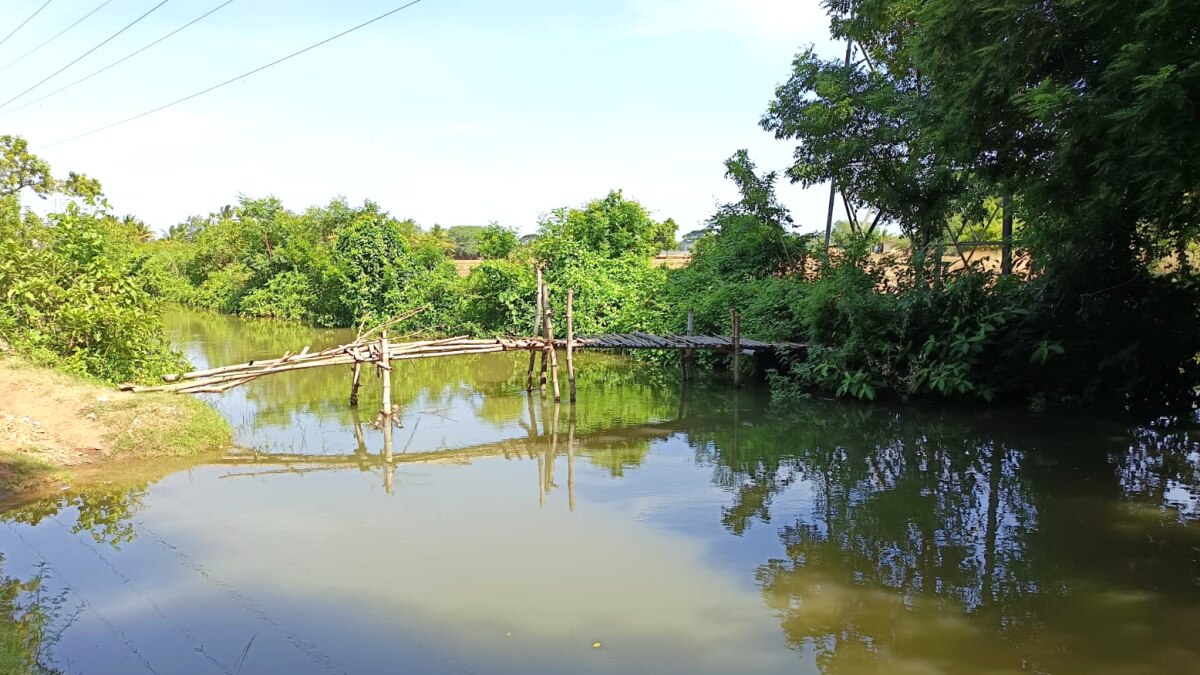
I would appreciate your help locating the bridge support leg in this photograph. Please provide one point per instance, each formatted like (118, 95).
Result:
(550, 350)
(354, 384)
(537, 328)
(386, 368)
(689, 356)
(736, 320)
(571, 343)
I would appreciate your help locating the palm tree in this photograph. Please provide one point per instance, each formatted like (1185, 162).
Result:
(137, 227)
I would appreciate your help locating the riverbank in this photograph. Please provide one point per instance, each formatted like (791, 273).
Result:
(58, 430)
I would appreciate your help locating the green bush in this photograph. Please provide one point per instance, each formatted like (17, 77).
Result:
(497, 299)
(287, 295)
(70, 296)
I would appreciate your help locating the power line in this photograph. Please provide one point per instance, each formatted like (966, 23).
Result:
(56, 35)
(81, 57)
(35, 13)
(233, 79)
(117, 62)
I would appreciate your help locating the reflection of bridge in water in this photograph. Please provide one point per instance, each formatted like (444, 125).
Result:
(544, 445)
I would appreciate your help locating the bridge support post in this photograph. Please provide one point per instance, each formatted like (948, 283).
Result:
(736, 326)
(689, 355)
(537, 328)
(354, 383)
(386, 373)
(571, 343)
(549, 349)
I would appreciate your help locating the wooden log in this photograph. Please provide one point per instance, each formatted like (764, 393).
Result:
(460, 352)
(571, 343)
(537, 326)
(549, 349)
(386, 407)
(217, 388)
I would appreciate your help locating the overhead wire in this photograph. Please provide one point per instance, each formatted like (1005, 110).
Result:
(115, 63)
(35, 13)
(57, 35)
(82, 56)
(233, 79)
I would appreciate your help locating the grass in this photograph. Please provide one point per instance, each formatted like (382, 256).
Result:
(158, 426)
(63, 428)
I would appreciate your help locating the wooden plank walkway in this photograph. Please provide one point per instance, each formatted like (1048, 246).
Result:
(636, 340)
(216, 380)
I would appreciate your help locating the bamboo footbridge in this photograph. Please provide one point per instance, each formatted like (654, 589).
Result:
(373, 347)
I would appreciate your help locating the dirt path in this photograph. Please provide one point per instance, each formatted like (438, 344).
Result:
(54, 426)
(53, 420)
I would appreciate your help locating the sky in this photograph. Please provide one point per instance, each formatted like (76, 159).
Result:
(456, 112)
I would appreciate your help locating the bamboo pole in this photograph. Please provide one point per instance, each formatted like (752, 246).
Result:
(551, 350)
(571, 343)
(545, 305)
(354, 383)
(736, 322)
(384, 354)
(689, 355)
(537, 327)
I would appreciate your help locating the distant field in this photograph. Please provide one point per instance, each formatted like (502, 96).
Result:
(673, 262)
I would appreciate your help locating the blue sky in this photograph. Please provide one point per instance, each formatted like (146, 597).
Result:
(452, 111)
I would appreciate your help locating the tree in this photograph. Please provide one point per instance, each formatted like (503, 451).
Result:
(610, 227)
(137, 228)
(867, 124)
(668, 230)
(688, 240)
(20, 169)
(440, 236)
(1088, 111)
(466, 240)
(497, 242)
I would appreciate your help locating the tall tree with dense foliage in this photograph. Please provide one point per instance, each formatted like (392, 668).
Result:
(1083, 111)
(1089, 110)
(866, 126)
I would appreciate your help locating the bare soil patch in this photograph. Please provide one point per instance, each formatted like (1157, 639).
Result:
(53, 426)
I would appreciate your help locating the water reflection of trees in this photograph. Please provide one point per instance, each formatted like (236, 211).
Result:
(615, 391)
(104, 512)
(928, 541)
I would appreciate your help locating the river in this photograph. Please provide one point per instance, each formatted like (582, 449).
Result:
(652, 528)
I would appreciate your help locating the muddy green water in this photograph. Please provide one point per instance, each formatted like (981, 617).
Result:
(686, 530)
